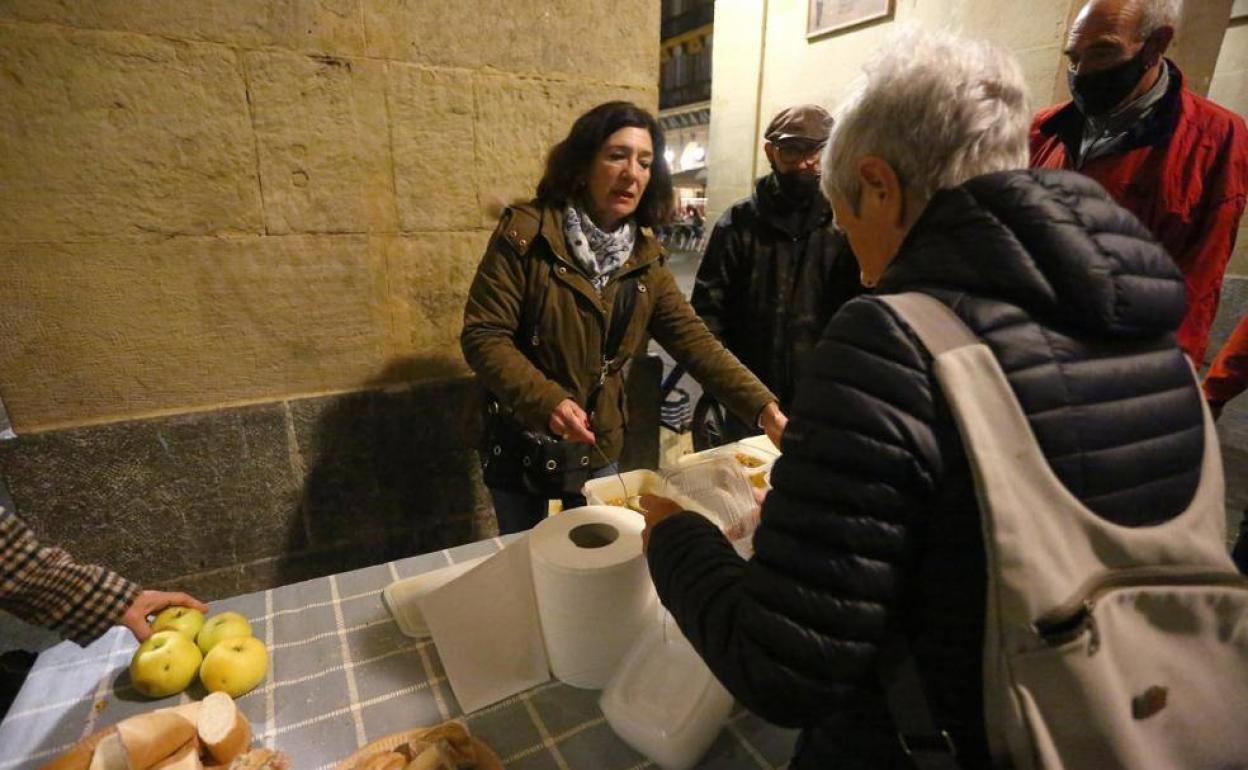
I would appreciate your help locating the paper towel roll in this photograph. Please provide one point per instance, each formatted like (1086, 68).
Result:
(594, 594)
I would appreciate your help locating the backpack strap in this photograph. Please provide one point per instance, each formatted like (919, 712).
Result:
(937, 327)
(927, 745)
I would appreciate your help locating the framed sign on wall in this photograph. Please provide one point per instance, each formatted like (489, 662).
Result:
(824, 16)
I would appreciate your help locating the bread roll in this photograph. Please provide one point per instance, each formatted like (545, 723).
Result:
(185, 758)
(261, 759)
(435, 756)
(388, 760)
(110, 754)
(454, 736)
(188, 711)
(223, 730)
(79, 757)
(151, 738)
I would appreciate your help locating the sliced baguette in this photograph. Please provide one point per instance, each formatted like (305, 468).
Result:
(188, 711)
(185, 758)
(80, 756)
(223, 730)
(110, 754)
(152, 738)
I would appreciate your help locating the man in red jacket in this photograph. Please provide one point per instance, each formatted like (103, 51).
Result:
(1177, 161)
(1226, 379)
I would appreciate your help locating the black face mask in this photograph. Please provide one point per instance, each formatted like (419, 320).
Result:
(796, 185)
(1098, 93)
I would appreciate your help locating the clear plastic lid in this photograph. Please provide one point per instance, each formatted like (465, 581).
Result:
(722, 490)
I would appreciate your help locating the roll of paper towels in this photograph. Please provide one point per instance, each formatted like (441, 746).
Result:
(594, 594)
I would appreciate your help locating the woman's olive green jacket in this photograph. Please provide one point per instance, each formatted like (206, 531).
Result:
(535, 328)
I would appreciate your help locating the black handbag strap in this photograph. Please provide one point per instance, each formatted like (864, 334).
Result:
(621, 316)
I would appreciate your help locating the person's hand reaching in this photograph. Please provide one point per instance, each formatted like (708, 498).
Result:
(149, 603)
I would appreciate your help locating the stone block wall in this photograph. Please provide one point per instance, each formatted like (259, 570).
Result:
(234, 248)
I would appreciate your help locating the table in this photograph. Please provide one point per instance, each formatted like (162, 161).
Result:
(342, 675)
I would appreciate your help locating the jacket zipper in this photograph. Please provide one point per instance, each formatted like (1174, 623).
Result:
(1076, 617)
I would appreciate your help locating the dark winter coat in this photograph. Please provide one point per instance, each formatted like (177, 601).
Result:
(873, 523)
(773, 275)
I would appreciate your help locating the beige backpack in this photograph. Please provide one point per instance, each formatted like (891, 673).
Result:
(1105, 646)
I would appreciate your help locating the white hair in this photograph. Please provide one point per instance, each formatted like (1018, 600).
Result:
(939, 108)
(1155, 14)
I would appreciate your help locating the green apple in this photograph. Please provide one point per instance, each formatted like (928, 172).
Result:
(184, 620)
(234, 666)
(221, 627)
(165, 664)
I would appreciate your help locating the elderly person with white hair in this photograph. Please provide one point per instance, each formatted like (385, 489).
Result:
(872, 530)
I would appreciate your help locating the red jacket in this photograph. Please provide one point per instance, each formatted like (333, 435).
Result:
(1183, 172)
(1228, 377)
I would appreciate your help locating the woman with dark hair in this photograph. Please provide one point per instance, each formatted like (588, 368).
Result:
(570, 288)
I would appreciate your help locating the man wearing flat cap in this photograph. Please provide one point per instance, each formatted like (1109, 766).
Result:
(774, 272)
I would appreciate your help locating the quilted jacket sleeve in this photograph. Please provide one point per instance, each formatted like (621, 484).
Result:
(793, 632)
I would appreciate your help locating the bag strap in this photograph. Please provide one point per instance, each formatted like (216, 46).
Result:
(927, 745)
(621, 316)
(617, 325)
(937, 327)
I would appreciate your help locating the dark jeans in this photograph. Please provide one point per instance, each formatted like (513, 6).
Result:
(518, 511)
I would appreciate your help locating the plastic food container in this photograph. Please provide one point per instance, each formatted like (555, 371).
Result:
(663, 700)
(607, 490)
(755, 455)
(402, 597)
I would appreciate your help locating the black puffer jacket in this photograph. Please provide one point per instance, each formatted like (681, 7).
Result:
(772, 277)
(873, 522)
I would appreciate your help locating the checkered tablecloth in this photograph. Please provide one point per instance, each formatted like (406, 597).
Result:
(342, 675)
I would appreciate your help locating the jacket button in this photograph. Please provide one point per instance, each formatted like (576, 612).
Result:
(562, 270)
(511, 234)
(641, 287)
(523, 242)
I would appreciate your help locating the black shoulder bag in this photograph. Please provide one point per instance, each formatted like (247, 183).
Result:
(535, 462)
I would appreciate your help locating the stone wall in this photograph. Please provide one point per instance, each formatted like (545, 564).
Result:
(235, 244)
(235, 201)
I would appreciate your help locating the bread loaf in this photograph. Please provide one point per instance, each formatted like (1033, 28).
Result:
(79, 757)
(185, 758)
(151, 738)
(223, 730)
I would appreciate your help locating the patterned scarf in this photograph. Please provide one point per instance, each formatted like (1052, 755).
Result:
(600, 253)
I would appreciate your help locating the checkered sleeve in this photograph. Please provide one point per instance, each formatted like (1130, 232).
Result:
(45, 586)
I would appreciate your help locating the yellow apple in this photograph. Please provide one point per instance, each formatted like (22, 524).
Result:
(164, 665)
(184, 620)
(234, 666)
(221, 627)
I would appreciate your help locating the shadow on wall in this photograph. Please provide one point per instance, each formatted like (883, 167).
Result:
(389, 472)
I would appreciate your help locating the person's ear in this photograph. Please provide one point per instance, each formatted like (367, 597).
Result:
(881, 188)
(1158, 43)
(769, 149)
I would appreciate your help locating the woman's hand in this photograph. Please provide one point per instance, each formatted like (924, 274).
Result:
(773, 422)
(570, 423)
(655, 509)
